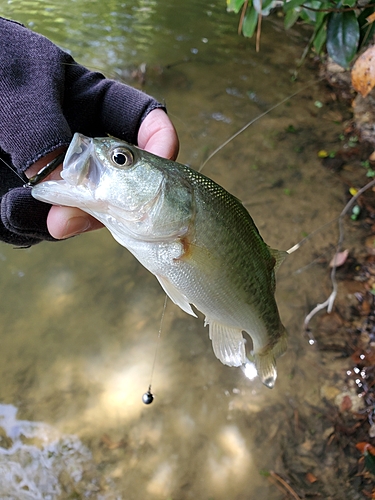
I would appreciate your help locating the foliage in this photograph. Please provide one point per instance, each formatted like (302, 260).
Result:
(340, 27)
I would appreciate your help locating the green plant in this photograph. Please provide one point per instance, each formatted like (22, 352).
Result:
(341, 28)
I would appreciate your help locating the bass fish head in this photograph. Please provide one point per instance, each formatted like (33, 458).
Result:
(122, 186)
(112, 171)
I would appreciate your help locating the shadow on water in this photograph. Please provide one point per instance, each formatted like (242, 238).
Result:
(80, 318)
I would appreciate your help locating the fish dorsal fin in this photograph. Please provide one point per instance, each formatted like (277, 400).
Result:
(227, 342)
(279, 256)
(175, 295)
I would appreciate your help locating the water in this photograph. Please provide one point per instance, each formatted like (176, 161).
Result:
(80, 318)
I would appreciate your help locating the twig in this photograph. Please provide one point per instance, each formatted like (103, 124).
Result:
(331, 299)
(338, 11)
(284, 484)
(259, 29)
(243, 12)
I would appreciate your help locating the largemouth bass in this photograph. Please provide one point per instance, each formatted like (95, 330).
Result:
(196, 238)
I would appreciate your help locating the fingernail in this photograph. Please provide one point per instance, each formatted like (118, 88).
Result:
(76, 225)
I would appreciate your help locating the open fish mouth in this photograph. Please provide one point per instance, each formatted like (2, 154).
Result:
(84, 166)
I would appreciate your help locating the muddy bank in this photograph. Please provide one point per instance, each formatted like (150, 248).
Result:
(343, 443)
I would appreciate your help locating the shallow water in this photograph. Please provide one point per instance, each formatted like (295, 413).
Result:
(80, 318)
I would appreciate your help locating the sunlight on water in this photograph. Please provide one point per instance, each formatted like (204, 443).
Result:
(250, 370)
(230, 460)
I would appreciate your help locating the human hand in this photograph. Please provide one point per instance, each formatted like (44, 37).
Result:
(54, 101)
(156, 135)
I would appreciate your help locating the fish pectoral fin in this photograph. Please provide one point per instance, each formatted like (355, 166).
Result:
(175, 295)
(227, 342)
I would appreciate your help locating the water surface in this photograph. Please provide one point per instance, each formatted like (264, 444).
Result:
(80, 318)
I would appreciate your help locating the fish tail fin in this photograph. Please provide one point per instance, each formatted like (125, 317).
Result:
(265, 360)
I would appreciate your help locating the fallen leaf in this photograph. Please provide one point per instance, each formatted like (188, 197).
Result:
(339, 259)
(371, 18)
(346, 404)
(363, 72)
(364, 447)
(311, 478)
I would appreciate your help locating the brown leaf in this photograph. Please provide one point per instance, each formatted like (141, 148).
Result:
(365, 447)
(346, 404)
(363, 72)
(339, 259)
(311, 478)
(371, 18)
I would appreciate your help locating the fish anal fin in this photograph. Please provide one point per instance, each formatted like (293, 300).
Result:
(227, 342)
(265, 360)
(175, 295)
(279, 256)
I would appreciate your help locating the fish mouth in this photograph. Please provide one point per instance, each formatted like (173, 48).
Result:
(81, 165)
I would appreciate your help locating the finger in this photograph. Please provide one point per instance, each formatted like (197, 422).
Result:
(158, 135)
(63, 222)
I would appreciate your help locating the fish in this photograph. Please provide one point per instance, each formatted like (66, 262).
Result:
(196, 238)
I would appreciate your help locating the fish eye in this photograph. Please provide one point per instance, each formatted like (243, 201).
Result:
(122, 157)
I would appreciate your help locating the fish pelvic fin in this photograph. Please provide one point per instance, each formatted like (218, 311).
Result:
(175, 295)
(265, 360)
(227, 342)
(279, 256)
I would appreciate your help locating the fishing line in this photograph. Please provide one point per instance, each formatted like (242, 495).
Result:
(225, 143)
(148, 397)
(23, 179)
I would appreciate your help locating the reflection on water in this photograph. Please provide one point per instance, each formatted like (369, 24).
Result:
(80, 318)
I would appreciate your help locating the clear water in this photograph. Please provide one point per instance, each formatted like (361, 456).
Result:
(79, 319)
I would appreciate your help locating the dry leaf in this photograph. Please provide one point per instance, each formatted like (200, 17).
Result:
(339, 259)
(363, 72)
(365, 447)
(311, 478)
(346, 404)
(371, 18)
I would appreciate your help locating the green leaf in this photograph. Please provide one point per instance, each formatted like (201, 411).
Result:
(320, 38)
(234, 5)
(342, 37)
(263, 7)
(349, 3)
(290, 18)
(369, 462)
(250, 22)
(312, 16)
(287, 6)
